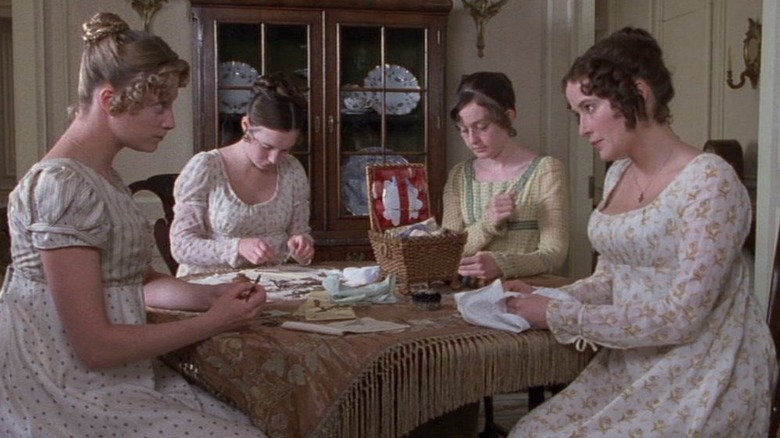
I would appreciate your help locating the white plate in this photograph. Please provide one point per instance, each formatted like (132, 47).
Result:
(396, 102)
(353, 178)
(236, 74)
(234, 101)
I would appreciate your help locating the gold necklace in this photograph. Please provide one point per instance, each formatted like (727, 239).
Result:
(650, 181)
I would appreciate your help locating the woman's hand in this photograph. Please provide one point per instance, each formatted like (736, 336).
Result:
(533, 308)
(518, 286)
(237, 306)
(480, 265)
(256, 251)
(301, 249)
(501, 207)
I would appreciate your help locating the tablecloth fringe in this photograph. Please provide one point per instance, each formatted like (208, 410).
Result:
(430, 376)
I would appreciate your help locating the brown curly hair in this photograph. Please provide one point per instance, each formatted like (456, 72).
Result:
(610, 68)
(134, 63)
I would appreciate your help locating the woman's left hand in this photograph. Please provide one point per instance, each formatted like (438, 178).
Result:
(533, 308)
(480, 265)
(301, 249)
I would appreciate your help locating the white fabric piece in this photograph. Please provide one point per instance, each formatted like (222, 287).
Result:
(487, 306)
(354, 277)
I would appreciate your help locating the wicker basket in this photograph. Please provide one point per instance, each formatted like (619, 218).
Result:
(417, 262)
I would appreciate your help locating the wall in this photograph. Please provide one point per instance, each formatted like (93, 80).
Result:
(532, 41)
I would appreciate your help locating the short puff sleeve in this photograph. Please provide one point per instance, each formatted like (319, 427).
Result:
(65, 210)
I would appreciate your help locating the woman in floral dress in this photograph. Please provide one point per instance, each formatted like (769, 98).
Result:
(247, 204)
(684, 347)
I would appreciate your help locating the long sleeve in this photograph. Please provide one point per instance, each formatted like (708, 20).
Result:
(548, 197)
(535, 239)
(192, 234)
(660, 299)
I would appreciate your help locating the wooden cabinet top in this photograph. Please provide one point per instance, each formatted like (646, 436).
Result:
(389, 5)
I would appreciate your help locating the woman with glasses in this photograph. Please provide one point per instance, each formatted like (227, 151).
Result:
(513, 202)
(247, 204)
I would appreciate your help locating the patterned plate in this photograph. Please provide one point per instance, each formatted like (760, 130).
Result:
(236, 74)
(395, 77)
(354, 191)
(234, 101)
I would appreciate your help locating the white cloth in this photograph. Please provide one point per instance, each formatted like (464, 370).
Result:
(487, 306)
(354, 277)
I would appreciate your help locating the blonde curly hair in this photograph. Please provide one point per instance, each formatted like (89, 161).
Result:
(135, 63)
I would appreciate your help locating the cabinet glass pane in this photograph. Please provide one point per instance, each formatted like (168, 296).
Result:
(382, 105)
(245, 51)
(359, 52)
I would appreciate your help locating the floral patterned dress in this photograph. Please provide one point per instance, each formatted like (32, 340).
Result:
(210, 218)
(684, 348)
(45, 391)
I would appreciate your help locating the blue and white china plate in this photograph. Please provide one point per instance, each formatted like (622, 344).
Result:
(354, 192)
(395, 77)
(234, 101)
(236, 74)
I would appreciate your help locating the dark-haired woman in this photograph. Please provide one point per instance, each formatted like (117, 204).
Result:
(513, 202)
(247, 204)
(684, 348)
(77, 358)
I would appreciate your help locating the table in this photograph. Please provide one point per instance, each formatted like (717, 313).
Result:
(301, 384)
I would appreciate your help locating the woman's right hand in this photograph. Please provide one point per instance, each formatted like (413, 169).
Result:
(256, 251)
(238, 306)
(501, 207)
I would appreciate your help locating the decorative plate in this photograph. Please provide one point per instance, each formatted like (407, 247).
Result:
(354, 192)
(396, 102)
(234, 101)
(236, 74)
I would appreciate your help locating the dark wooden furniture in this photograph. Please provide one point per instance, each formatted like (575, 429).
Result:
(389, 53)
(5, 240)
(774, 326)
(162, 186)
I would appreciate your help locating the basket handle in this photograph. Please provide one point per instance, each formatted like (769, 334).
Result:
(382, 249)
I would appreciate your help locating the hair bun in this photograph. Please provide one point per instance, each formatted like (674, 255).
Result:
(102, 25)
(280, 85)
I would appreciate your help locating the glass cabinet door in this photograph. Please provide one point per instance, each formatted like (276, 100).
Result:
(243, 44)
(382, 105)
(234, 47)
(248, 50)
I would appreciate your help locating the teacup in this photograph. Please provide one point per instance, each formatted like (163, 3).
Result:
(356, 101)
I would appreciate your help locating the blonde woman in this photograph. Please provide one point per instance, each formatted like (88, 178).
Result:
(77, 358)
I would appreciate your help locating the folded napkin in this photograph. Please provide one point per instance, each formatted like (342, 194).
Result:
(381, 292)
(487, 306)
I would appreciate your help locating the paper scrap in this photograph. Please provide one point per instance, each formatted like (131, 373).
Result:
(360, 325)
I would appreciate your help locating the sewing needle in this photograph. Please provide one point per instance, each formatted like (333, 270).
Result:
(254, 284)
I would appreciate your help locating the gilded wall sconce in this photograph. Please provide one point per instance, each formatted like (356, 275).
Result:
(751, 56)
(146, 9)
(482, 11)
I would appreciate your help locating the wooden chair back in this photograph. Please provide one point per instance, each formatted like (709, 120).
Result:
(5, 241)
(162, 186)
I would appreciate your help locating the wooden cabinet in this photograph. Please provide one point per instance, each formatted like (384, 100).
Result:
(374, 77)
